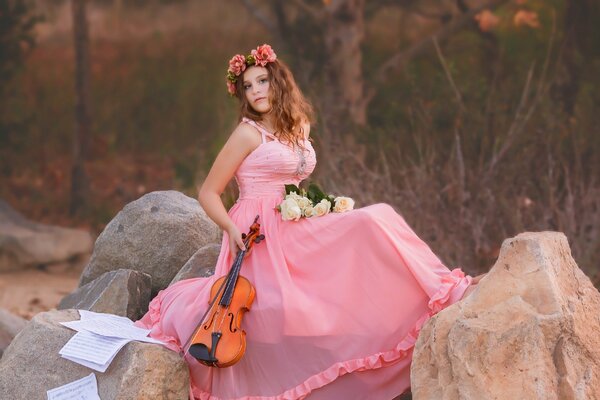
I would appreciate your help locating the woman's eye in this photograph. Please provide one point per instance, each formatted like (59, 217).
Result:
(246, 87)
(263, 80)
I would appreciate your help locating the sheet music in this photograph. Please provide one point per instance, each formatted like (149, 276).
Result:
(82, 389)
(111, 326)
(99, 338)
(92, 350)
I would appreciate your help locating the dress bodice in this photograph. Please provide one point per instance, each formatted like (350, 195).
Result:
(272, 165)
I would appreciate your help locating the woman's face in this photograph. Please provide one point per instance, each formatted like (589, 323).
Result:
(256, 88)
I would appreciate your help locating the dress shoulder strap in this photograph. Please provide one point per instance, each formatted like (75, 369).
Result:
(263, 132)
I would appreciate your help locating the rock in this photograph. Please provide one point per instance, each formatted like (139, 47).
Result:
(10, 326)
(155, 234)
(528, 331)
(201, 264)
(31, 365)
(24, 243)
(122, 292)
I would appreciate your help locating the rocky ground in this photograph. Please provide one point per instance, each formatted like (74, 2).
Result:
(528, 330)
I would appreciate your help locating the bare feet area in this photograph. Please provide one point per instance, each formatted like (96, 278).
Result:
(28, 292)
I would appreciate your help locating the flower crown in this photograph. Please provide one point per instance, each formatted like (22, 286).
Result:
(260, 56)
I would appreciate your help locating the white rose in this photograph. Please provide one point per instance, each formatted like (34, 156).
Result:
(303, 202)
(308, 211)
(290, 210)
(322, 208)
(343, 204)
(293, 195)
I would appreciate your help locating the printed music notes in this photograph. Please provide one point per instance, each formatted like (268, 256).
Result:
(99, 338)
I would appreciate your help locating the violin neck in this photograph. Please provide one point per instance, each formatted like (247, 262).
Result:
(232, 279)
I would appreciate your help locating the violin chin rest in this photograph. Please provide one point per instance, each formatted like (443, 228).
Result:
(201, 353)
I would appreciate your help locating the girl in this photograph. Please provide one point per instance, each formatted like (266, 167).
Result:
(340, 297)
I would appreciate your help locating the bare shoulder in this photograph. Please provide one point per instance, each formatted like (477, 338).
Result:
(246, 137)
(246, 131)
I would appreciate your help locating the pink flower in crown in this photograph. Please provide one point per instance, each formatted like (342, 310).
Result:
(237, 64)
(231, 87)
(264, 54)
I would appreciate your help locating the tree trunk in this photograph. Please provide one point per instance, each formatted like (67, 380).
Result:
(79, 179)
(344, 100)
(579, 25)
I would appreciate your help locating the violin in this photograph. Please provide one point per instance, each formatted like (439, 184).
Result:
(219, 340)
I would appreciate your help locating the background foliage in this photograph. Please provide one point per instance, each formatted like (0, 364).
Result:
(491, 133)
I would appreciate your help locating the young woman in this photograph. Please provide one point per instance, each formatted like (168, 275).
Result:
(340, 298)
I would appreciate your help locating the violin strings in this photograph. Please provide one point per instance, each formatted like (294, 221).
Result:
(230, 281)
(227, 284)
(212, 304)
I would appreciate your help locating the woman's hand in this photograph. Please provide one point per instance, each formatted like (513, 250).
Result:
(235, 240)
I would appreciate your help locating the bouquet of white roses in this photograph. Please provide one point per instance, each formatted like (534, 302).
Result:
(311, 203)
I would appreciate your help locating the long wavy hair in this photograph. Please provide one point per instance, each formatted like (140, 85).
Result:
(289, 107)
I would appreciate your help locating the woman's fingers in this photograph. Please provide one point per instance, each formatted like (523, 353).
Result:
(240, 243)
(235, 244)
(233, 250)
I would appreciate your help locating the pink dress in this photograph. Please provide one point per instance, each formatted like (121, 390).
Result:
(339, 299)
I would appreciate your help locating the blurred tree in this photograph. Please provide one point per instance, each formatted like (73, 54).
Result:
(16, 40)
(16, 36)
(79, 179)
(578, 48)
(332, 32)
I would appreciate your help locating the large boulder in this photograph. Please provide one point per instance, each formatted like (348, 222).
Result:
(24, 243)
(528, 331)
(10, 326)
(155, 234)
(31, 365)
(122, 292)
(201, 264)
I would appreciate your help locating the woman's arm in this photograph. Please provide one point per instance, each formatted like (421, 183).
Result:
(242, 142)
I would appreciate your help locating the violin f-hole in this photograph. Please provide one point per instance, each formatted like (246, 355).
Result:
(232, 322)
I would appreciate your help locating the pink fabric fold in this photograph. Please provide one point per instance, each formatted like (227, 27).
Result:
(448, 284)
(375, 361)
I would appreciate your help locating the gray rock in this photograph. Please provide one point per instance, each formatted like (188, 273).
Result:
(122, 292)
(528, 331)
(10, 326)
(31, 365)
(201, 264)
(155, 234)
(24, 243)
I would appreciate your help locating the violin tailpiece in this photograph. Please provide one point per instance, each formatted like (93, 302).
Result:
(201, 353)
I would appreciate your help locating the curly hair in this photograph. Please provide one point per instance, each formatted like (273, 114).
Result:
(289, 107)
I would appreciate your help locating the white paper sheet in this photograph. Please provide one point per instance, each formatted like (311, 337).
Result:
(82, 389)
(99, 338)
(96, 350)
(110, 326)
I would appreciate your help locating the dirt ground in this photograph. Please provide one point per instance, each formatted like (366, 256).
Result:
(28, 292)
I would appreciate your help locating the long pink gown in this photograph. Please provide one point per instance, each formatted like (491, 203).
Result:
(339, 299)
